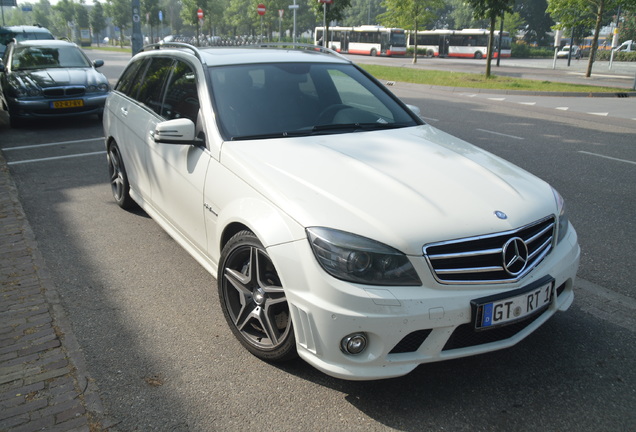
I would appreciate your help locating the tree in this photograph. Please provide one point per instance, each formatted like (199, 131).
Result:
(66, 10)
(410, 14)
(42, 12)
(490, 9)
(120, 11)
(363, 12)
(586, 13)
(98, 21)
(335, 12)
(537, 21)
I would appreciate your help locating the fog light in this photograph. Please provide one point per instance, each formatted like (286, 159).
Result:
(354, 343)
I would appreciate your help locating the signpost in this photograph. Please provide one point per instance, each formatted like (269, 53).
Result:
(260, 9)
(294, 7)
(136, 39)
(325, 33)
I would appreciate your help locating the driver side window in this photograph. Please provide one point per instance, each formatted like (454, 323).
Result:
(182, 99)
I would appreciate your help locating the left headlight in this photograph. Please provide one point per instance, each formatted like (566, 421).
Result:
(562, 216)
(357, 259)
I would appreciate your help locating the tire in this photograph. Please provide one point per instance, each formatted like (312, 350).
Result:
(373, 53)
(479, 55)
(118, 179)
(253, 300)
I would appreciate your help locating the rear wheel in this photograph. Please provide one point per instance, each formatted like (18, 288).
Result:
(118, 179)
(478, 55)
(373, 52)
(253, 299)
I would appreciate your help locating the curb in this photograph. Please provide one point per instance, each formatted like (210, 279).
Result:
(44, 382)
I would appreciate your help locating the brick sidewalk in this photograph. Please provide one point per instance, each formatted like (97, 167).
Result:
(42, 383)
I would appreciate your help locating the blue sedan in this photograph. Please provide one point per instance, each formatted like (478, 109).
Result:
(50, 78)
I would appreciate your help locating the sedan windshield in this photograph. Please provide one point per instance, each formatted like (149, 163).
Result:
(40, 57)
(295, 99)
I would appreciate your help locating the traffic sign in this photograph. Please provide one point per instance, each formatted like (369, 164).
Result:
(261, 9)
(200, 13)
(325, 1)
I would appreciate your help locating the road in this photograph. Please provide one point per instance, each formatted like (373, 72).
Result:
(147, 318)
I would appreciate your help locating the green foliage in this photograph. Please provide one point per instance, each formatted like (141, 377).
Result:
(604, 55)
(98, 20)
(410, 14)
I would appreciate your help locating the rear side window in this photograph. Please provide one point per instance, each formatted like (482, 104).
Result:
(131, 76)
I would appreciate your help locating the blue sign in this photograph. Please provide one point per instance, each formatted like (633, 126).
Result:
(160, 16)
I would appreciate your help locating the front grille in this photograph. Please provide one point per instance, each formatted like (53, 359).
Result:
(63, 91)
(411, 342)
(493, 258)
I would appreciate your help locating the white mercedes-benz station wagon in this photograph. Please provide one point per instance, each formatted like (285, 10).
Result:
(340, 227)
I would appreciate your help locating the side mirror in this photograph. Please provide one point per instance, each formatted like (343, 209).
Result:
(414, 109)
(177, 131)
(98, 63)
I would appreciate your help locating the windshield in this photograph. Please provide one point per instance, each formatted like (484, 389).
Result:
(293, 99)
(40, 57)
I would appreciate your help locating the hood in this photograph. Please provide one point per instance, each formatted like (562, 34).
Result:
(55, 77)
(404, 187)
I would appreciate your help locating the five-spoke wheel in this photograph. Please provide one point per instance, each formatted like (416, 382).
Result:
(253, 299)
(118, 178)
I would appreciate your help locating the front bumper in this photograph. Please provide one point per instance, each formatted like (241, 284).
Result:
(42, 108)
(405, 326)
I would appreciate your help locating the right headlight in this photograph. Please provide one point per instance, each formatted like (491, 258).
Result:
(562, 217)
(357, 259)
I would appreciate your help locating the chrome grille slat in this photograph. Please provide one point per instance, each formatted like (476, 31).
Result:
(480, 259)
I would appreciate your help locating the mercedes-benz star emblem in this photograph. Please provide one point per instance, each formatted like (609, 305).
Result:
(515, 256)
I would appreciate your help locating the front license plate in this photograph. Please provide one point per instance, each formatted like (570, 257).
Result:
(515, 306)
(68, 104)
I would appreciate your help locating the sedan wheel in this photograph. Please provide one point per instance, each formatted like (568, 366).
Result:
(118, 178)
(253, 299)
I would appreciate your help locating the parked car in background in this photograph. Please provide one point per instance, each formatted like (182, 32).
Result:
(340, 226)
(50, 78)
(565, 51)
(627, 46)
(21, 33)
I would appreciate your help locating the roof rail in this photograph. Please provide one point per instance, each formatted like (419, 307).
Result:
(162, 44)
(299, 46)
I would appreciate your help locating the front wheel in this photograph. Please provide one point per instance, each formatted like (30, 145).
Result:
(253, 299)
(479, 55)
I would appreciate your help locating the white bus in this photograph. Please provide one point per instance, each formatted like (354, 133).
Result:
(467, 43)
(367, 40)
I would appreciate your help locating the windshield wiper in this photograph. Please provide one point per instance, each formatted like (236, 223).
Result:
(322, 129)
(353, 127)
(299, 133)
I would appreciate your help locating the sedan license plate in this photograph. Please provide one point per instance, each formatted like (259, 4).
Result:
(68, 104)
(515, 306)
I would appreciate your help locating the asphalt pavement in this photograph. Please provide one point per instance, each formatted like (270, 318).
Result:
(44, 382)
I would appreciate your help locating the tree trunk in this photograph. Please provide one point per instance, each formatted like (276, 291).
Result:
(491, 43)
(415, 44)
(597, 29)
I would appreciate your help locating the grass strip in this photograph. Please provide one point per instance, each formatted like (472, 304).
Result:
(470, 80)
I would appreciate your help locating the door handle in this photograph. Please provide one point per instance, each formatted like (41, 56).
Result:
(124, 111)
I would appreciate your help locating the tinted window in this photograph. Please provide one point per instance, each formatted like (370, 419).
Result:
(151, 85)
(39, 57)
(291, 98)
(130, 77)
(182, 100)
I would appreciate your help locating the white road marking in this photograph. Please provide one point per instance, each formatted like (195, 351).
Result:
(55, 158)
(53, 144)
(501, 134)
(608, 157)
